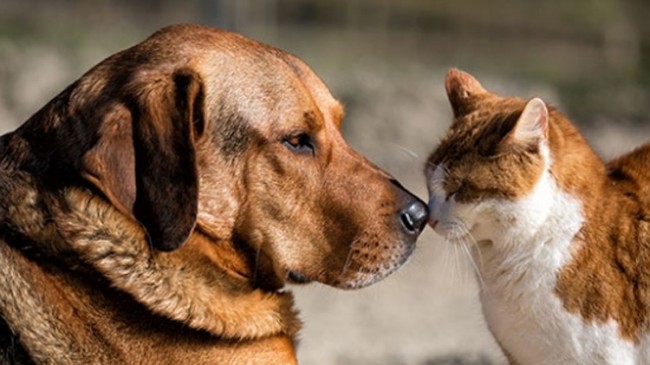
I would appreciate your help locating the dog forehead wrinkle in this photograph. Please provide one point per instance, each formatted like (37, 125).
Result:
(232, 132)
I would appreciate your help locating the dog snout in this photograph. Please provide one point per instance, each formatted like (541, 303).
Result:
(414, 213)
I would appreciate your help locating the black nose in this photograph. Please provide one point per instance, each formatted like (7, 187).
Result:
(414, 213)
(414, 216)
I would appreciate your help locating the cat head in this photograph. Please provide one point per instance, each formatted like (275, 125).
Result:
(493, 155)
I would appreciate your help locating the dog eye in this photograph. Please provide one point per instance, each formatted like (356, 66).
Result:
(299, 143)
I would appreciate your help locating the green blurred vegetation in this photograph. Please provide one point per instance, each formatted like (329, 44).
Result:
(595, 53)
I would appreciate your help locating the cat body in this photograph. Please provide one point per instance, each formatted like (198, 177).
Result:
(561, 240)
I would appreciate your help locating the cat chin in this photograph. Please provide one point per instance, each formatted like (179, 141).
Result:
(478, 236)
(453, 236)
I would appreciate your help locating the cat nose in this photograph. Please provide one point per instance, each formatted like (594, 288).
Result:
(434, 211)
(414, 216)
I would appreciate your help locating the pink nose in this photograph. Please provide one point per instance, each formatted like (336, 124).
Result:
(432, 222)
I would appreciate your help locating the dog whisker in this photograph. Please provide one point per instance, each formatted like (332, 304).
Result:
(348, 259)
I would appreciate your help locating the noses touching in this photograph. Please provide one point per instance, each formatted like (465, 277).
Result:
(414, 216)
(432, 222)
(435, 210)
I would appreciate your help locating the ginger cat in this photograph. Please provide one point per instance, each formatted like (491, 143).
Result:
(561, 239)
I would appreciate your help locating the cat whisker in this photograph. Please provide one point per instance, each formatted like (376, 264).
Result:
(459, 235)
(474, 243)
(452, 264)
(450, 261)
(470, 237)
(458, 274)
(453, 239)
(407, 151)
(438, 180)
(445, 259)
(430, 163)
(445, 170)
(465, 247)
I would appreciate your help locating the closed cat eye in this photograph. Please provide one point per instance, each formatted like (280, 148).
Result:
(453, 193)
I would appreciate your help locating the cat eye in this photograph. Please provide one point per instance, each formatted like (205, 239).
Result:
(300, 143)
(453, 193)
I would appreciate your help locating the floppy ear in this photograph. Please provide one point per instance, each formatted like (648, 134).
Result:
(145, 160)
(461, 87)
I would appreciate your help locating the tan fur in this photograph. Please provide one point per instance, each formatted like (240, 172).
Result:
(203, 285)
(65, 319)
(154, 210)
(218, 300)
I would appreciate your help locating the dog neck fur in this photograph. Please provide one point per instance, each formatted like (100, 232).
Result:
(166, 283)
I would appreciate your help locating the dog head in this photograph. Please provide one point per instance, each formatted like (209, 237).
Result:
(200, 129)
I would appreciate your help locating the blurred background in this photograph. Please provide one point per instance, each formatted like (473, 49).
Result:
(385, 60)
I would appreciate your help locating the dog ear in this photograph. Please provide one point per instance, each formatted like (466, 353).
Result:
(164, 134)
(145, 159)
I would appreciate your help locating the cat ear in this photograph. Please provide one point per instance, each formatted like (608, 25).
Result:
(460, 87)
(532, 125)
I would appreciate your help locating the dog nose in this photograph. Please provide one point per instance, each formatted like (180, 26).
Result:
(414, 216)
(414, 213)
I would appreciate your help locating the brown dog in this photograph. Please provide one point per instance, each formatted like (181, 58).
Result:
(151, 212)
